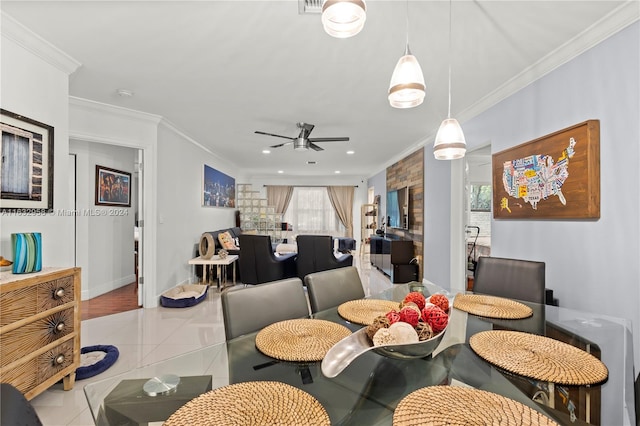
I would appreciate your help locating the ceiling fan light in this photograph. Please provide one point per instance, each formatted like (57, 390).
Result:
(450, 143)
(343, 18)
(300, 144)
(407, 89)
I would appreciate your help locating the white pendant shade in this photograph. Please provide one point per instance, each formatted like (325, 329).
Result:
(406, 89)
(343, 18)
(450, 143)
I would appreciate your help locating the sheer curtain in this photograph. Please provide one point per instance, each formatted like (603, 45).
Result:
(342, 200)
(279, 196)
(311, 212)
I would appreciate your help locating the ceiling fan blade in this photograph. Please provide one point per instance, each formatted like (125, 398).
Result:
(281, 144)
(271, 134)
(340, 139)
(315, 147)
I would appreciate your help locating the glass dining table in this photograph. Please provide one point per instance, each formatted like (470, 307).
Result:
(369, 389)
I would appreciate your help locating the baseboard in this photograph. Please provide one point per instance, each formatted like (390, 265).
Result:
(107, 287)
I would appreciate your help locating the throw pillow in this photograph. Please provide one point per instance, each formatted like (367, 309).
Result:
(226, 241)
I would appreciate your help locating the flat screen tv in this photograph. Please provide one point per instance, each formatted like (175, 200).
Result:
(398, 208)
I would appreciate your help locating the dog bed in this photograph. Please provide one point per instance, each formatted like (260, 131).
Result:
(95, 360)
(184, 296)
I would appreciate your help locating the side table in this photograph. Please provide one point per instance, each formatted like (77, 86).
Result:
(221, 268)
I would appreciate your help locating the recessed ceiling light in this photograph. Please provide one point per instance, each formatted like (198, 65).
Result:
(266, 151)
(350, 152)
(337, 172)
(124, 93)
(280, 171)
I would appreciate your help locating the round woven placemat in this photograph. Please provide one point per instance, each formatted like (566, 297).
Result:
(539, 357)
(300, 339)
(252, 403)
(451, 405)
(491, 306)
(364, 311)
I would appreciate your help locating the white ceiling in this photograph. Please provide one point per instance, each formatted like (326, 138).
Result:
(219, 70)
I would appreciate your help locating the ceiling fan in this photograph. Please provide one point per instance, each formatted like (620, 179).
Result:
(303, 142)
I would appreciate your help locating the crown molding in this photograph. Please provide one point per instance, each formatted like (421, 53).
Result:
(613, 22)
(89, 105)
(30, 41)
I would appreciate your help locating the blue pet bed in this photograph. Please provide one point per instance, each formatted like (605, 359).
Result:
(110, 357)
(184, 296)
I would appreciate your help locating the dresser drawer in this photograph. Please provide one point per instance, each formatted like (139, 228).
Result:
(29, 374)
(30, 337)
(24, 302)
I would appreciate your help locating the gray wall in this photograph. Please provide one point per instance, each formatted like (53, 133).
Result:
(591, 265)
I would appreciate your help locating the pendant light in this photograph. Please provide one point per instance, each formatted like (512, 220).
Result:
(406, 89)
(343, 18)
(450, 143)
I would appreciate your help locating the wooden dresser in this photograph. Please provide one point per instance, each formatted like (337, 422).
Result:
(40, 329)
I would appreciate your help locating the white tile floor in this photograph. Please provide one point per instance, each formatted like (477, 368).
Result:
(145, 336)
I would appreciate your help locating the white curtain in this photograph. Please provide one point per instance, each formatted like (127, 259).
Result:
(311, 212)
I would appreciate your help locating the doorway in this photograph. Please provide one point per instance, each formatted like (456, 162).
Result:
(105, 234)
(478, 190)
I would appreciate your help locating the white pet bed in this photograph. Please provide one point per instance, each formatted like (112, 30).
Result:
(184, 296)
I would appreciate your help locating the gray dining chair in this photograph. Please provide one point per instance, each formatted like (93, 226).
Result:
(251, 308)
(510, 278)
(327, 289)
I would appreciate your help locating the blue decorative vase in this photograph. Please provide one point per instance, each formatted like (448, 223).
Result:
(27, 252)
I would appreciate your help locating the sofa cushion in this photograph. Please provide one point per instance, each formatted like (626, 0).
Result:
(226, 241)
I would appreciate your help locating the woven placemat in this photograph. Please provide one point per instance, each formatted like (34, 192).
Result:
(491, 306)
(364, 311)
(539, 357)
(300, 339)
(452, 405)
(252, 403)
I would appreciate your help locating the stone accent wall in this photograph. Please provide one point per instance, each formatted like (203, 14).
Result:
(410, 172)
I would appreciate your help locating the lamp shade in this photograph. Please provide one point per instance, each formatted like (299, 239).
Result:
(343, 18)
(450, 143)
(406, 89)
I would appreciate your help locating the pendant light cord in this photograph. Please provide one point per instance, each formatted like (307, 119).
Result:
(407, 17)
(449, 111)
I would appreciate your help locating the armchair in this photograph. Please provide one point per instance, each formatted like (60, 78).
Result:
(258, 263)
(315, 254)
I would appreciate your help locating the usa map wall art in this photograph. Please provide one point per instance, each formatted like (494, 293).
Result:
(556, 176)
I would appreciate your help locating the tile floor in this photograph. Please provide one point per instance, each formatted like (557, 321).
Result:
(145, 336)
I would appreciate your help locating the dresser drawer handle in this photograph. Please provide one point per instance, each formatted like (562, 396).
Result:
(59, 294)
(59, 359)
(60, 327)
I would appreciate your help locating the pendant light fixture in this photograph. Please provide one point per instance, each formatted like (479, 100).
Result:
(343, 18)
(406, 89)
(450, 143)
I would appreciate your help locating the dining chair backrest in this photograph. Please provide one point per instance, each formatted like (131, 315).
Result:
(15, 409)
(327, 289)
(510, 278)
(250, 309)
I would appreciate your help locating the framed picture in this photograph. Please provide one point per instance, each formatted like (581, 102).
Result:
(113, 187)
(26, 171)
(218, 189)
(556, 176)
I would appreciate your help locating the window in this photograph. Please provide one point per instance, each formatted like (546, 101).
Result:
(310, 212)
(480, 198)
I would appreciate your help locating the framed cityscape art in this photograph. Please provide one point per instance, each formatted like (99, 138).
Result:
(218, 189)
(26, 171)
(113, 187)
(556, 176)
